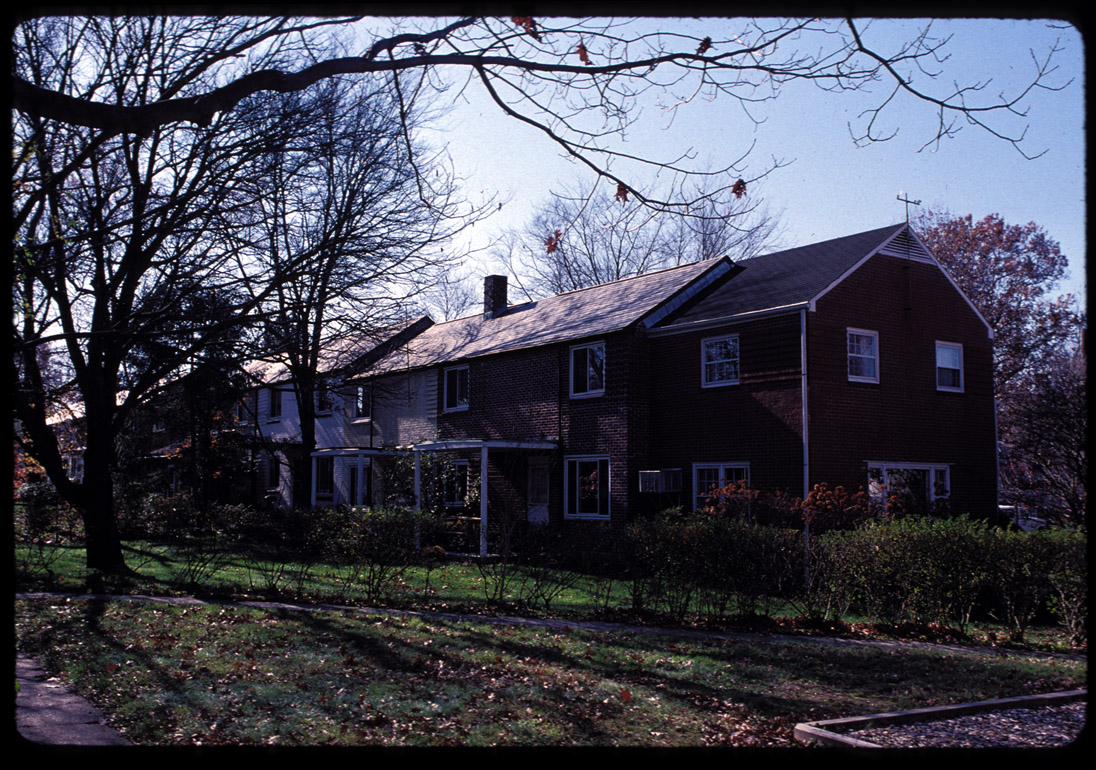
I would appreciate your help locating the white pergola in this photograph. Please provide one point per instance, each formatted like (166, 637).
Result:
(483, 445)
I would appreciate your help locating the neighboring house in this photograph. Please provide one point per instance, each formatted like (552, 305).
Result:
(854, 362)
(352, 422)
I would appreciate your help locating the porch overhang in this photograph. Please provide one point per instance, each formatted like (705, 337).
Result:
(481, 445)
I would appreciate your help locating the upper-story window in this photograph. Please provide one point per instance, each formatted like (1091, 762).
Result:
(363, 402)
(242, 415)
(275, 409)
(719, 356)
(949, 367)
(863, 353)
(323, 398)
(456, 389)
(588, 370)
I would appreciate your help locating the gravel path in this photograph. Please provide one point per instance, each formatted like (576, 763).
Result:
(1048, 726)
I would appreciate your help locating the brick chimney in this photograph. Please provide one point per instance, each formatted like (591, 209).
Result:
(494, 296)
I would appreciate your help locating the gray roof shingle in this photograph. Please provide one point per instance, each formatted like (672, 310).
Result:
(574, 315)
(785, 278)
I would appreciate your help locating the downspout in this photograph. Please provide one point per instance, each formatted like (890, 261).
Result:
(806, 441)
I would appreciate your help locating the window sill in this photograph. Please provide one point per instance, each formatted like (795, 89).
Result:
(455, 410)
(719, 384)
(594, 394)
(586, 516)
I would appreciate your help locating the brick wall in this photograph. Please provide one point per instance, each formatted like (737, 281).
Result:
(757, 421)
(903, 417)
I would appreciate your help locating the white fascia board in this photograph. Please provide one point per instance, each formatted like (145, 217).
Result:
(703, 281)
(473, 443)
(726, 320)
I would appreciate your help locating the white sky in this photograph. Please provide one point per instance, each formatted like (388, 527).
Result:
(832, 188)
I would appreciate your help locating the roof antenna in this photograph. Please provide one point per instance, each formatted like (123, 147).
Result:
(909, 276)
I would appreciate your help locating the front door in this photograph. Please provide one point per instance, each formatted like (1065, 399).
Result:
(538, 490)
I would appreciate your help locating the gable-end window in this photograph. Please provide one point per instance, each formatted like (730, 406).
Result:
(456, 389)
(363, 402)
(588, 370)
(863, 353)
(708, 477)
(720, 361)
(949, 367)
(587, 486)
(275, 409)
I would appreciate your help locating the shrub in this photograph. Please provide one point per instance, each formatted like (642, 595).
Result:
(1068, 579)
(1020, 563)
(376, 546)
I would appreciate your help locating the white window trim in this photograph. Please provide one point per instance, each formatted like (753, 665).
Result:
(567, 513)
(704, 382)
(932, 468)
(571, 370)
(697, 493)
(362, 394)
(869, 333)
(936, 367)
(445, 388)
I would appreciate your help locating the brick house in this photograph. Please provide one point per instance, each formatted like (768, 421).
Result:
(854, 362)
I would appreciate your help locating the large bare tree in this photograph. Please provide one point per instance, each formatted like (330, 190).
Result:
(351, 218)
(117, 234)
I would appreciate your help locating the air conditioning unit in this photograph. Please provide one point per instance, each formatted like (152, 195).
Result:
(665, 480)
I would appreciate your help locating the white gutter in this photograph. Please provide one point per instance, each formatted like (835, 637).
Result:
(726, 320)
(806, 443)
(803, 400)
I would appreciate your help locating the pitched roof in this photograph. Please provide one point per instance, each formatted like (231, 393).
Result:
(793, 277)
(341, 353)
(574, 315)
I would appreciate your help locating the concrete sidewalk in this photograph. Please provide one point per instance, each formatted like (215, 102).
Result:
(46, 712)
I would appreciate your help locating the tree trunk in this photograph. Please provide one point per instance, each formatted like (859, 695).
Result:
(103, 543)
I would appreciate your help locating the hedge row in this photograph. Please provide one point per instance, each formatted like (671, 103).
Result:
(928, 570)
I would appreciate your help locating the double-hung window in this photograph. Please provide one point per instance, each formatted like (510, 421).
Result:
(275, 408)
(863, 355)
(720, 361)
(708, 477)
(456, 389)
(273, 472)
(323, 398)
(588, 370)
(587, 485)
(949, 367)
(325, 477)
(363, 402)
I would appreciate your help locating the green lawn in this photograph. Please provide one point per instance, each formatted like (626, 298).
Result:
(215, 675)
